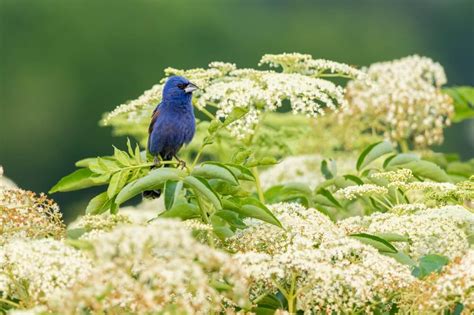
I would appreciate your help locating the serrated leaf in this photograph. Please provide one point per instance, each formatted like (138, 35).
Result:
(137, 155)
(99, 204)
(299, 192)
(153, 180)
(117, 182)
(216, 171)
(426, 169)
(372, 152)
(79, 179)
(171, 192)
(377, 242)
(199, 186)
(129, 147)
(121, 156)
(235, 114)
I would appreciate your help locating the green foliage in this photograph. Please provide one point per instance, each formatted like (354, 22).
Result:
(429, 264)
(463, 101)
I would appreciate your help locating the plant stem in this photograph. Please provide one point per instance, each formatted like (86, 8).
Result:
(205, 112)
(291, 298)
(9, 302)
(404, 146)
(196, 159)
(258, 185)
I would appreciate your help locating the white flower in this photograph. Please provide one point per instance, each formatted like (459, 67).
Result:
(144, 269)
(43, 268)
(427, 233)
(303, 228)
(443, 292)
(402, 99)
(352, 192)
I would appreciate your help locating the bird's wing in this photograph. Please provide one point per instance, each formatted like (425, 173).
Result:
(154, 117)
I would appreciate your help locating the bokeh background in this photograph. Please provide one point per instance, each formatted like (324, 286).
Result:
(64, 63)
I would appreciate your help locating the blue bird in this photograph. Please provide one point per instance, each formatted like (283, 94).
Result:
(172, 124)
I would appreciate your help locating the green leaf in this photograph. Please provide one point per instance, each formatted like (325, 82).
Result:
(99, 204)
(372, 152)
(429, 264)
(328, 196)
(216, 171)
(129, 147)
(122, 157)
(171, 192)
(264, 161)
(241, 172)
(402, 258)
(392, 237)
(253, 208)
(299, 192)
(235, 114)
(200, 187)
(75, 233)
(460, 168)
(221, 228)
(426, 169)
(153, 180)
(137, 155)
(401, 158)
(79, 179)
(325, 170)
(354, 178)
(184, 211)
(117, 182)
(85, 162)
(232, 218)
(377, 242)
(79, 244)
(463, 101)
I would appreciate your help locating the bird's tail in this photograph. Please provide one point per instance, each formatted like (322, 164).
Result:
(155, 193)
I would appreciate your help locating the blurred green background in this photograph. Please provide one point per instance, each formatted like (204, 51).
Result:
(64, 63)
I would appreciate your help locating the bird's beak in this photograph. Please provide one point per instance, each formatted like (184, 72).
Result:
(190, 88)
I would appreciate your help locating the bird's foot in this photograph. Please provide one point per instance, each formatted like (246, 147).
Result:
(181, 163)
(156, 162)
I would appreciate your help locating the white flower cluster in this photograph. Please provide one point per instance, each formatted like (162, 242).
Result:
(26, 214)
(442, 293)
(303, 63)
(300, 169)
(39, 271)
(304, 228)
(225, 87)
(395, 178)
(441, 231)
(402, 99)
(355, 191)
(325, 271)
(150, 268)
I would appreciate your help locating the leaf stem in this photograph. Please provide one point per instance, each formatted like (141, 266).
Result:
(258, 185)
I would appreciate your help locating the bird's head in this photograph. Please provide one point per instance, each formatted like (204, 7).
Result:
(177, 87)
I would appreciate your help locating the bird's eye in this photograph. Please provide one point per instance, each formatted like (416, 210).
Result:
(182, 86)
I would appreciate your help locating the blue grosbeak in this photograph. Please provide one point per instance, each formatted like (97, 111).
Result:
(172, 124)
